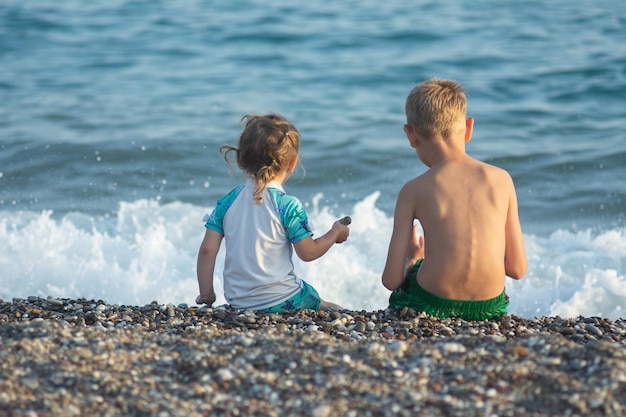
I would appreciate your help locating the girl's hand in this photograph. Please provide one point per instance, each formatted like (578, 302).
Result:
(342, 231)
(207, 299)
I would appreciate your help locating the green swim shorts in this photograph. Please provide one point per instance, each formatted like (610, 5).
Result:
(412, 295)
(306, 299)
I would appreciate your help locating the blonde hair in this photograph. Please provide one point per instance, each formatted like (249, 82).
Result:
(436, 107)
(266, 146)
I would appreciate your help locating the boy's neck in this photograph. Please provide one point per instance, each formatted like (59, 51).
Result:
(440, 152)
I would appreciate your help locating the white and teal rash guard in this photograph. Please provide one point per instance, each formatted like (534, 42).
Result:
(258, 270)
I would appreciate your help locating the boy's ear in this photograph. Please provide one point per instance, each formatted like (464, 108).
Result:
(469, 128)
(410, 134)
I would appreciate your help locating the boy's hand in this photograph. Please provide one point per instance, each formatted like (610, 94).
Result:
(207, 299)
(415, 250)
(416, 246)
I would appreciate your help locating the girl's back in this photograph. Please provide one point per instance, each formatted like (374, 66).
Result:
(258, 269)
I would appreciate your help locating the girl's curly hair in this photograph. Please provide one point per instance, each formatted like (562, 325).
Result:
(266, 146)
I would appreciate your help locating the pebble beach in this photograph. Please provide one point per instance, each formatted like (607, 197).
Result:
(76, 357)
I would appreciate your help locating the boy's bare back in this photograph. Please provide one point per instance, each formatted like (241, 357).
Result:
(463, 207)
(468, 210)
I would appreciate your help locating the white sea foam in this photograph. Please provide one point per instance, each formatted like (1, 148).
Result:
(148, 252)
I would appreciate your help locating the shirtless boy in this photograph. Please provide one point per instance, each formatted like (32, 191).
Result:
(468, 210)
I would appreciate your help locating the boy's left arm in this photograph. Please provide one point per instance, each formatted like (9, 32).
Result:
(515, 263)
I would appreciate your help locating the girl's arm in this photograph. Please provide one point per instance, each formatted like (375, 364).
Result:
(207, 254)
(309, 249)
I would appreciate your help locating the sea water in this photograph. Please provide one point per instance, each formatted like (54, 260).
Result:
(112, 114)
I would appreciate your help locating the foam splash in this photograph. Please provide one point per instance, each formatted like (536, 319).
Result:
(147, 256)
(573, 274)
(148, 252)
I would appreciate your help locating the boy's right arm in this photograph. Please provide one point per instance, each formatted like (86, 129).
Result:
(401, 237)
(207, 254)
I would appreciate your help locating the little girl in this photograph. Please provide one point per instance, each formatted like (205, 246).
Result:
(260, 223)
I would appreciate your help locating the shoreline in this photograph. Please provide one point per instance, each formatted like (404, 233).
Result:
(78, 357)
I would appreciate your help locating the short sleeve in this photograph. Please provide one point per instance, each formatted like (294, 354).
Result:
(292, 215)
(215, 220)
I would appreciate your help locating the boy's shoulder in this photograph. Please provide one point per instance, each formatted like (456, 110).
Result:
(469, 169)
(492, 177)
(496, 171)
(473, 165)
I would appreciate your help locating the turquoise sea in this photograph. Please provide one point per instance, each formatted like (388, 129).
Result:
(112, 113)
